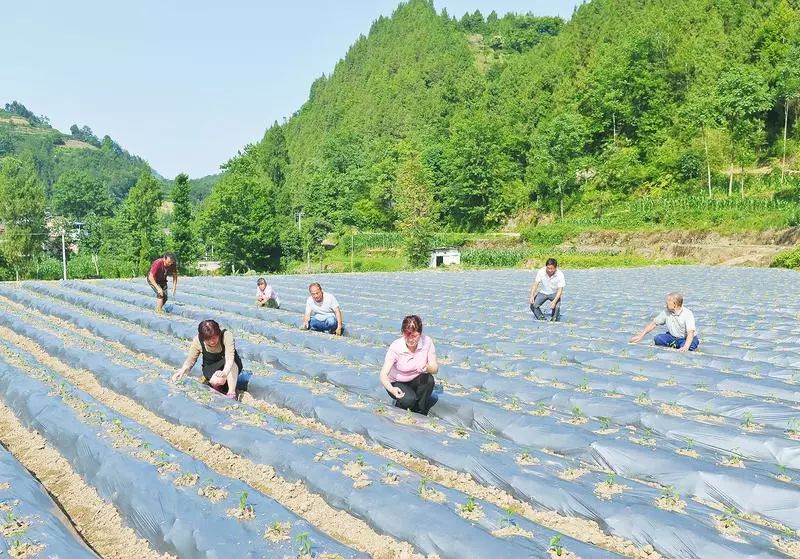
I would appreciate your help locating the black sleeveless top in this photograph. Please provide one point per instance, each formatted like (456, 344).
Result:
(216, 361)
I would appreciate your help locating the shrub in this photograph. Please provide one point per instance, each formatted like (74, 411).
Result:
(548, 235)
(787, 259)
(494, 258)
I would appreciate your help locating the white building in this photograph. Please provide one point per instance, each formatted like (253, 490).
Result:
(444, 257)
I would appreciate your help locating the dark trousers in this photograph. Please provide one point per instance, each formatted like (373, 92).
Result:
(540, 300)
(668, 340)
(416, 394)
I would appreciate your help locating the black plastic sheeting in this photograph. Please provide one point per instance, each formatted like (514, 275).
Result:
(25, 500)
(173, 519)
(629, 515)
(430, 527)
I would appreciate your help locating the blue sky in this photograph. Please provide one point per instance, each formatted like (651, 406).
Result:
(185, 84)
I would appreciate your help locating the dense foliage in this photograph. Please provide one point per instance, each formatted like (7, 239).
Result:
(437, 123)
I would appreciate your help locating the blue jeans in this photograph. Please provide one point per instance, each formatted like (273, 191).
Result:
(328, 325)
(668, 340)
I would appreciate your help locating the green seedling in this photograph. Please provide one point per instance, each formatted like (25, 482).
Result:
(303, 542)
(729, 517)
(469, 506)
(747, 419)
(577, 412)
(460, 431)
(525, 455)
(564, 360)
(243, 504)
(584, 384)
(605, 422)
(555, 545)
(794, 427)
(360, 460)
(642, 398)
(146, 446)
(611, 479)
(387, 469)
(670, 494)
(781, 469)
(508, 518)
(689, 444)
(541, 408)
(381, 408)
(422, 487)
(515, 401)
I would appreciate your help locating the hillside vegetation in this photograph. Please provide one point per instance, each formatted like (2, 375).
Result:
(529, 119)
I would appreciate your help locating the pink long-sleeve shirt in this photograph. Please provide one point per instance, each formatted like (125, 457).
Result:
(405, 365)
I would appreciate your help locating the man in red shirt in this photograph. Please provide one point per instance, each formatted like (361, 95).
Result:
(157, 278)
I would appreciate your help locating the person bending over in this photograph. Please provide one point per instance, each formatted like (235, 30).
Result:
(409, 366)
(547, 286)
(265, 295)
(322, 311)
(157, 278)
(221, 362)
(681, 329)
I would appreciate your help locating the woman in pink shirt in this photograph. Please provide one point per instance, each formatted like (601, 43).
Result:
(407, 373)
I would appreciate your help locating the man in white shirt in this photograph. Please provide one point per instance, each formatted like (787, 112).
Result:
(548, 286)
(322, 311)
(681, 329)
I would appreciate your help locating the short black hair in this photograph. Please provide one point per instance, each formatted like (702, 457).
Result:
(552, 261)
(171, 255)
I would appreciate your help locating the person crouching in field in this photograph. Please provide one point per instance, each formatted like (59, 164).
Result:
(322, 311)
(265, 295)
(681, 329)
(409, 366)
(157, 278)
(221, 362)
(547, 286)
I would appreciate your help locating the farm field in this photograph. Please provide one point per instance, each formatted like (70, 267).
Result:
(547, 439)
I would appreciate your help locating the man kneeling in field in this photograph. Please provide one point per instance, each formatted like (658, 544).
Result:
(681, 330)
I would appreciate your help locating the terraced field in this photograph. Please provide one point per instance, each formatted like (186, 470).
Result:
(547, 439)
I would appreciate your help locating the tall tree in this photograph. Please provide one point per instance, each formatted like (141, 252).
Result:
(22, 204)
(416, 209)
(182, 235)
(742, 96)
(77, 193)
(555, 153)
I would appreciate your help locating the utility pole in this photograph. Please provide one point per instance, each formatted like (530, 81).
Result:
(64, 253)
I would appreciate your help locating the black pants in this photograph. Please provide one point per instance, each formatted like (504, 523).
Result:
(416, 394)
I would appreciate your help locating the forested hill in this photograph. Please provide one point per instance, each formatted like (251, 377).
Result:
(484, 116)
(55, 154)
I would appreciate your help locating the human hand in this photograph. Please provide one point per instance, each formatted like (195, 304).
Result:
(636, 339)
(339, 331)
(684, 349)
(178, 375)
(397, 392)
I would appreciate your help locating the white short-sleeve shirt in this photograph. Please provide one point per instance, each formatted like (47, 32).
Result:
(677, 324)
(324, 309)
(550, 284)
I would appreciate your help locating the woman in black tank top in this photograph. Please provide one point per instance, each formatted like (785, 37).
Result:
(220, 368)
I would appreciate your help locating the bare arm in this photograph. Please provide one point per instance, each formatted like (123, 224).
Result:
(558, 297)
(534, 289)
(647, 329)
(174, 282)
(191, 359)
(306, 318)
(689, 337)
(337, 311)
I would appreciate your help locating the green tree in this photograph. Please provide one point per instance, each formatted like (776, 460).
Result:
(416, 210)
(238, 218)
(22, 205)
(135, 234)
(742, 97)
(182, 239)
(77, 193)
(555, 153)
